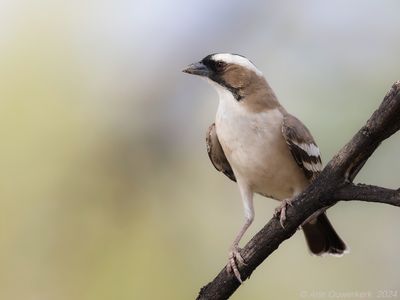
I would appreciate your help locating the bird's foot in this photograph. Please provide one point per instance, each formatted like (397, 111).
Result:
(235, 259)
(281, 211)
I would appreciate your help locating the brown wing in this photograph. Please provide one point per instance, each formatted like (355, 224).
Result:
(302, 146)
(216, 153)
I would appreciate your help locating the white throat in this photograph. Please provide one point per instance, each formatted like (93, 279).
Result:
(229, 109)
(222, 91)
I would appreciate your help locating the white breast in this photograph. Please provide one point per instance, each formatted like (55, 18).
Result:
(255, 148)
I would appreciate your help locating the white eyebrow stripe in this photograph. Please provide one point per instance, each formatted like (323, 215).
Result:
(237, 59)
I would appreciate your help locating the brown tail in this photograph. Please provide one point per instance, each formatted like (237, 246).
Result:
(322, 238)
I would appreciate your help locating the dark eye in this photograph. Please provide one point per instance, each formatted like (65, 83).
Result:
(219, 66)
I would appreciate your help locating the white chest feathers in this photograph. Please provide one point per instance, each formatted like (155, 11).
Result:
(256, 149)
(246, 135)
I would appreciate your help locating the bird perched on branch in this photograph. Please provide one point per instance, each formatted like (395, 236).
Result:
(257, 143)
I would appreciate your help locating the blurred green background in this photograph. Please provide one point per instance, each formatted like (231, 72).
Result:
(106, 190)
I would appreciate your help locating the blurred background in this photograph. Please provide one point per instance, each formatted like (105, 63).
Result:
(106, 190)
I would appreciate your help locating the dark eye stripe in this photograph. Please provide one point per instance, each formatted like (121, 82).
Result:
(217, 67)
(220, 66)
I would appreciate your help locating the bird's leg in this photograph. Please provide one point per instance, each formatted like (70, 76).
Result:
(234, 256)
(281, 210)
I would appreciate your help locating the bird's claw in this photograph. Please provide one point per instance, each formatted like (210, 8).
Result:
(235, 259)
(281, 211)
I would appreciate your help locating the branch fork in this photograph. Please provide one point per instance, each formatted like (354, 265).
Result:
(334, 184)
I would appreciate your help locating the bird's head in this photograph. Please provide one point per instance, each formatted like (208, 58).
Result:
(233, 72)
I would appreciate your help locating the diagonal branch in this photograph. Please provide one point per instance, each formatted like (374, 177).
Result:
(332, 185)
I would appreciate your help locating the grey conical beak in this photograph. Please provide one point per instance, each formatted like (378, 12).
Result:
(197, 69)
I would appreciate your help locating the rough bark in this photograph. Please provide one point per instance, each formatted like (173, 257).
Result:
(332, 185)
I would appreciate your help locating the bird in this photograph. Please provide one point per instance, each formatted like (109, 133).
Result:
(255, 142)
